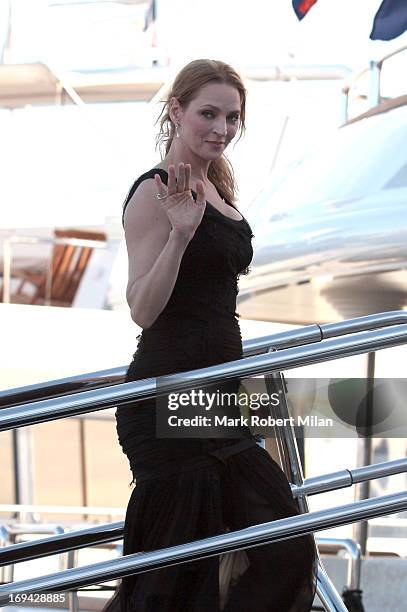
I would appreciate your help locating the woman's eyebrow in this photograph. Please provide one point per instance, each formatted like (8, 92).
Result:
(216, 108)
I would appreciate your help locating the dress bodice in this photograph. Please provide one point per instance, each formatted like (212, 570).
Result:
(219, 252)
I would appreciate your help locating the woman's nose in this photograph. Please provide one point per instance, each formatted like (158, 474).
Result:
(220, 128)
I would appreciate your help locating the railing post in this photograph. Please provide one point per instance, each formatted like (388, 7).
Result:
(5, 569)
(72, 559)
(23, 470)
(374, 83)
(364, 453)
(291, 465)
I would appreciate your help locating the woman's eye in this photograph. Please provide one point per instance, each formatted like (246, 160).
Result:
(209, 115)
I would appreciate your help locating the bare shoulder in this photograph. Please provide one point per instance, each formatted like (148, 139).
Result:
(143, 210)
(147, 229)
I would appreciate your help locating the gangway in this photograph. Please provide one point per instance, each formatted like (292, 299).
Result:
(266, 356)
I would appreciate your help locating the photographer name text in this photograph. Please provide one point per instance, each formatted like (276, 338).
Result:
(251, 421)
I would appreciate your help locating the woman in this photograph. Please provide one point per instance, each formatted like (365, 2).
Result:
(187, 245)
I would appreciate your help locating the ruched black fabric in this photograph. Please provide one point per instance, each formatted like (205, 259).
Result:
(195, 488)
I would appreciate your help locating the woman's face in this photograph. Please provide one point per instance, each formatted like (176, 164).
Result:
(210, 121)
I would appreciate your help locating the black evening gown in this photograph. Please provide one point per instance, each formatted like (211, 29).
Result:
(195, 488)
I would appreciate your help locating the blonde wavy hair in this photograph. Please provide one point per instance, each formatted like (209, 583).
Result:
(185, 88)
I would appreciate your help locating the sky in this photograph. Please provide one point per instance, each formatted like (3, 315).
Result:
(258, 32)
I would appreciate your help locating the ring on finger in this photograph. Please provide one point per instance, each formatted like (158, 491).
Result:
(161, 197)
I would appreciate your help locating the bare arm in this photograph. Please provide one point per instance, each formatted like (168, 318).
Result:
(157, 234)
(155, 252)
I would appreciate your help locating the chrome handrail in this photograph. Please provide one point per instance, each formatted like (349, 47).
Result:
(80, 538)
(253, 346)
(11, 532)
(347, 478)
(355, 557)
(108, 397)
(63, 542)
(114, 376)
(266, 533)
(366, 323)
(358, 342)
(374, 93)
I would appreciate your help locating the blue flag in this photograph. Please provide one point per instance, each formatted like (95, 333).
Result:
(302, 7)
(390, 20)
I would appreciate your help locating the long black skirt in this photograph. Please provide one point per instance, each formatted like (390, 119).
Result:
(188, 490)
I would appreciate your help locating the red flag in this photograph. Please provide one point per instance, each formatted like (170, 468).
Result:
(302, 7)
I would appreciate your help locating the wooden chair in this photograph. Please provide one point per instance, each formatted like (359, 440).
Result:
(68, 265)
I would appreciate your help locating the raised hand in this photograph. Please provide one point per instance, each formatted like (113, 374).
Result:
(184, 213)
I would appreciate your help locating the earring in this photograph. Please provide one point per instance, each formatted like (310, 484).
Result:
(177, 130)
